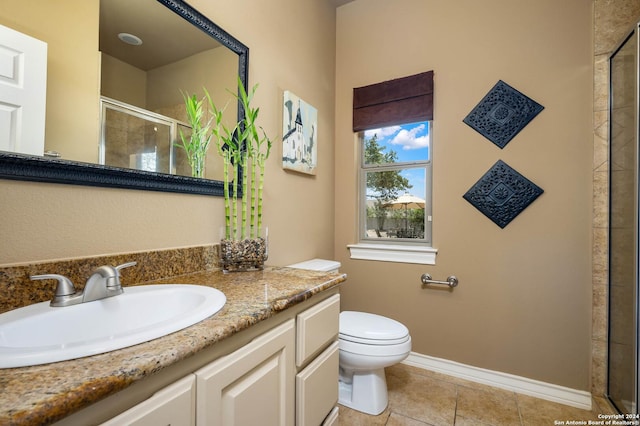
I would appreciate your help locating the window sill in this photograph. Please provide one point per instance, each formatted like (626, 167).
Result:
(394, 253)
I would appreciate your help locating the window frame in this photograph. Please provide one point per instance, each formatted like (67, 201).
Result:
(401, 250)
(425, 165)
(394, 102)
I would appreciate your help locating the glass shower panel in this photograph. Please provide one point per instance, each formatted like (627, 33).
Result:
(136, 138)
(180, 161)
(623, 227)
(135, 141)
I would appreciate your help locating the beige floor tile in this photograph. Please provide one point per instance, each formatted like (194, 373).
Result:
(536, 412)
(399, 420)
(349, 417)
(463, 421)
(603, 406)
(421, 397)
(439, 376)
(428, 373)
(496, 407)
(418, 397)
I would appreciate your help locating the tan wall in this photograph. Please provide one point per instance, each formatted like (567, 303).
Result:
(214, 69)
(122, 81)
(524, 299)
(291, 48)
(72, 69)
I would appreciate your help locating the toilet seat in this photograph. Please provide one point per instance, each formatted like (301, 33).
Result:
(374, 350)
(374, 342)
(371, 329)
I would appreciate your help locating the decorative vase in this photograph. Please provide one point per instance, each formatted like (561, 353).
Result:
(244, 254)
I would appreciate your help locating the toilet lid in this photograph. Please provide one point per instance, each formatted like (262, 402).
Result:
(369, 328)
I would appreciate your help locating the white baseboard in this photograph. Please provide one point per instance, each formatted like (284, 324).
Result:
(523, 385)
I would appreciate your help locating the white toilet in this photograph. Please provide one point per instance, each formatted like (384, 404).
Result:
(368, 344)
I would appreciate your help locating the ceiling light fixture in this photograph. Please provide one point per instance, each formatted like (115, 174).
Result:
(130, 39)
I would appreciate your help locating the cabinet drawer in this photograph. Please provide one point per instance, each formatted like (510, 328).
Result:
(173, 405)
(317, 388)
(316, 328)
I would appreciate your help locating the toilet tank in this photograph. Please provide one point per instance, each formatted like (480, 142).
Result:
(321, 265)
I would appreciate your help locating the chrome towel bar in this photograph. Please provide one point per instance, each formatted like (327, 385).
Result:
(451, 281)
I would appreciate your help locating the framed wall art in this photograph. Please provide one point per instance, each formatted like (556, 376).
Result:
(300, 135)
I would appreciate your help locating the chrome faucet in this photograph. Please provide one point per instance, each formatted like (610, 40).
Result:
(103, 282)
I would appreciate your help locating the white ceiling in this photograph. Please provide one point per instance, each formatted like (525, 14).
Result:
(166, 37)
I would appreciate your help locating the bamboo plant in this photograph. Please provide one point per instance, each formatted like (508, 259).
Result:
(247, 147)
(197, 144)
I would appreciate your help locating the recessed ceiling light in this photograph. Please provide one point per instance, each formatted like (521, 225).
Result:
(130, 39)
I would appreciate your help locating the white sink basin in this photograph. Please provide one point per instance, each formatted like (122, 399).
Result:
(39, 334)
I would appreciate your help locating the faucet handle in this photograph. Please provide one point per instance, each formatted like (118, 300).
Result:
(64, 289)
(114, 282)
(125, 265)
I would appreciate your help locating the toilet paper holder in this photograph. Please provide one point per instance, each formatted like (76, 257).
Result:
(451, 281)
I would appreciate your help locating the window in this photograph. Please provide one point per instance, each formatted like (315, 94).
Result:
(393, 120)
(395, 183)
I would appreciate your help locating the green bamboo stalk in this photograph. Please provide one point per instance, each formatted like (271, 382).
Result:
(227, 207)
(245, 196)
(250, 125)
(227, 149)
(247, 155)
(253, 150)
(254, 200)
(197, 144)
(234, 205)
(260, 189)
(262, 164)
(242, 147)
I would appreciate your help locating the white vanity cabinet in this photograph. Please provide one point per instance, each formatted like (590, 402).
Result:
(251, 386)
(317, 361)
(283, 373)
(173, 405)
(258, 384)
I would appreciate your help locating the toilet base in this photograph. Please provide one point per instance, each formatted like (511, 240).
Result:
(364, 391)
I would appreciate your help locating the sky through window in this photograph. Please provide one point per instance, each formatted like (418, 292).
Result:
(411, 142)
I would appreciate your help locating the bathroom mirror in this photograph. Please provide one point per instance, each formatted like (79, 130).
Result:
(85, 172)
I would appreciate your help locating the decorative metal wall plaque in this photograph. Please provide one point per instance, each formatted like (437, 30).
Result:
(502, 194)
(502, 113)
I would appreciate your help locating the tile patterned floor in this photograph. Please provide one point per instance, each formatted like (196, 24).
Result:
(419, 397)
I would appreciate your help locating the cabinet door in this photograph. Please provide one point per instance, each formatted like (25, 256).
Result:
(251, 386)
(173, 405)
(318, 326)
(317, 388)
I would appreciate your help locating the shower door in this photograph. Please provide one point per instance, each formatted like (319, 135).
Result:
(623, 227)
(135, 138)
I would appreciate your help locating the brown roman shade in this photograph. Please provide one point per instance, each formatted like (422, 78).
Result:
(399, 101)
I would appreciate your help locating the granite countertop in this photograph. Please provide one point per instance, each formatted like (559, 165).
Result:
(46, 393)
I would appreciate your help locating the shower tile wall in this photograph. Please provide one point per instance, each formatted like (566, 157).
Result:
(622, 164)
(612, 20)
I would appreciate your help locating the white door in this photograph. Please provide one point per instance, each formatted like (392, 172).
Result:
(23, 87)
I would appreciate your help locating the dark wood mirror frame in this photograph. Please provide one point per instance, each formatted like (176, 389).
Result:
(42, 169)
